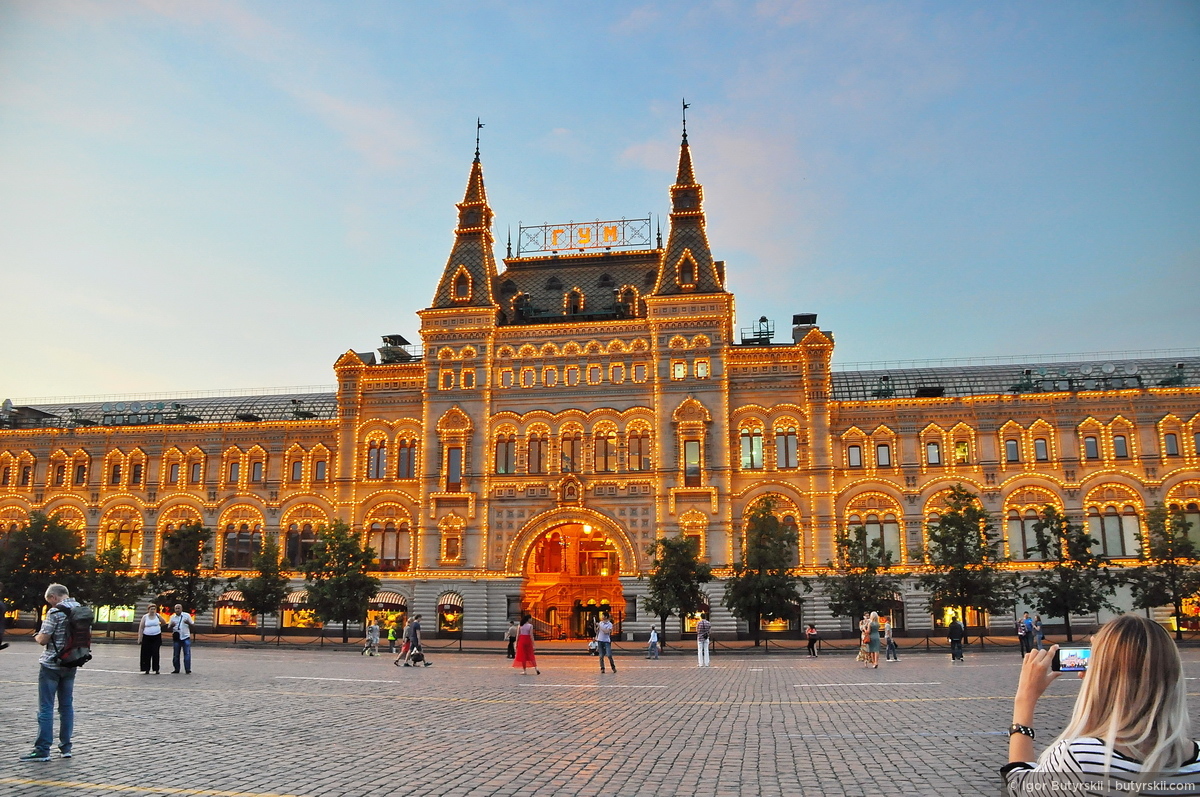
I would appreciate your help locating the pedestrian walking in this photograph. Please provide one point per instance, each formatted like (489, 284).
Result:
(703, 634)
(604, 630)
(812, 636)
(873, 643)
(181, 637)
(1024, 628)
(889, 642)
(54, 680)
(523, 656)
(864, 638)
(415, 654)
(392, 639)
(371, 643)
(150, 629)
(511, 636)
(955, 634)
(652, 646)
(3, 617)
(405, 643)
(1039, 633)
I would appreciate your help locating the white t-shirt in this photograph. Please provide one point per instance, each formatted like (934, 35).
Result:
(182, 623)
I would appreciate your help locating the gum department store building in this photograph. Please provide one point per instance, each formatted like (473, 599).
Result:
(592, 396)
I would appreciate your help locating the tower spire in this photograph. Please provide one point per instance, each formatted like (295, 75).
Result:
(687, 265)
(471, 269)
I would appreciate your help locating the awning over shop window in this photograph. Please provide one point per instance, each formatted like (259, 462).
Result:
(389, 600)
(295, 599)
(450, 599)
(230, 597)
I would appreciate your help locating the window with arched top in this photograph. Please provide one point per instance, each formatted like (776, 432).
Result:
(462, 286)
(376, 459)
(751, 438)
(506, 454)
(574, 302)
(301, 537)
(605, 444)
(786, 453)
(539, 448)
(391, 542)
(406, 459)
(638, 454)
(1022, 536)
(687, 272)
(1114, 529)
(243, 542)
(571, 452)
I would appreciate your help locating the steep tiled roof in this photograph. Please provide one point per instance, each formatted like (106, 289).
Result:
(548, 280)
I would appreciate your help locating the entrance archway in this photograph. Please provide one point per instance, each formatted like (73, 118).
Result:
(571, 576)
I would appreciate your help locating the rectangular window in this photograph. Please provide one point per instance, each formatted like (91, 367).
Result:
(135, 476)
(572, 375)
(528, 377)
(319, 470)
(235, 470)
(962, 452)
(691, 463)
(26, 475)
(1012, 451)
(297, 470)
(174, 478)
(883, 455)
(1172, 444)
(638, 448)
(60, 475)
(570, 454)
(933, 454)
(639, 372)
(752, 449)
(468, 379)
(256, 472)
(5, 476)
(1091, 448)
(702, 369)
(854, 456)
(595, 374)
(406, 459)
(454, 469)
(504, 456)
(114, 476)
(678, 369)
(616, 373)
(785, 448)
(1196, 444)
(1041, 451)
(196, 471)
(1120, 447)
(447, 380)
(506, 377)
(537, 455)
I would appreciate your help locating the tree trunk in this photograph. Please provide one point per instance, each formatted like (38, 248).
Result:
(662, 631)
(345, 632)
(962, 612)
(1067, 622)
(756, 630)
(1178, 621)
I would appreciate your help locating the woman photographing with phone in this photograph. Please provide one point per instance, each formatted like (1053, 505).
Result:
(1130, 720)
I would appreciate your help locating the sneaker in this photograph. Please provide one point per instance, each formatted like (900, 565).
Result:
(35, 756)
(406, 664)
(3, 645)
(66, 754)
(429, 664)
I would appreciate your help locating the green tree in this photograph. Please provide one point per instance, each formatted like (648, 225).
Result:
(673, 585)
(114, 583)
(962, 556)
(1169, 572)
(263, 592)
(339, 582)
(763, 586)
(1071, 578)
(861, 579)
(42, 553)
(181, 568)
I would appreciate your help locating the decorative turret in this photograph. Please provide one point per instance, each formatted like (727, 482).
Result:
(471, 268)
(688, 265)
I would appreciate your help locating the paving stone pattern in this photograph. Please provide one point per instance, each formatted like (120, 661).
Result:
(324, 723)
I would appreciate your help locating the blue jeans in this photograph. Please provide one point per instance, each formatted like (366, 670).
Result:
(956, 650)
(186, 646)
(605, 649)
(892, 653)
(53, 682)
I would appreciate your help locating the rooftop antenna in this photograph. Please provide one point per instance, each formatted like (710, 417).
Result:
(478, 127)
(685, 107)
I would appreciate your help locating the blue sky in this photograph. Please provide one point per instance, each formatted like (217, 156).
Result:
(230, 194)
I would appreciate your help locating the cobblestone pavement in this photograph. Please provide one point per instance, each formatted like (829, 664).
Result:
(321, 723)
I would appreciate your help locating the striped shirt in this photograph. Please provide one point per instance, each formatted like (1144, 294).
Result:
(1080, 761)
(702, 629)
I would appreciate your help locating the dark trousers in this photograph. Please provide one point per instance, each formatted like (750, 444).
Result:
(956, 652)
(151, 647)
(892, 653)
(512, 648)
(812, 647)
(1025, 646)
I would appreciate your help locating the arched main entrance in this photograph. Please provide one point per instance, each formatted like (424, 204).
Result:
(572, 576)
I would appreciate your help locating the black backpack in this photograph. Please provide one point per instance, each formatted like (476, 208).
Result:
(77, 650)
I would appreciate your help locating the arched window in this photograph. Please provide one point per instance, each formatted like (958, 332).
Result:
(789, 524)
(391, 544)
(538, 446)
(1120, 447)
(1022, 538)
(300, 540)
(506, 446)
(242, 544)
(406, 459)
(752, 448)
(376, 459)
(462, 286)
(1091, 448)
(854, 456)
(1012, 450)
(574, 302)
(606, 452)
(687, 273)
(571, 451)
(638, 458)
(1105, 526)
(883, 455)
(786, 455)
(1041, 451)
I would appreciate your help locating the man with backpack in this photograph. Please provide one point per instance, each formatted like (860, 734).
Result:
(66, 635)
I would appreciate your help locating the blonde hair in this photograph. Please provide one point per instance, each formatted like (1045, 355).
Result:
(1134, 696)
(874, 618)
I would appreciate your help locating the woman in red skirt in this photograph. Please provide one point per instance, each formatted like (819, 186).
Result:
(525, 657)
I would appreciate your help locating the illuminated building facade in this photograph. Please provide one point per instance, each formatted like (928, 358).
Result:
(593, 395)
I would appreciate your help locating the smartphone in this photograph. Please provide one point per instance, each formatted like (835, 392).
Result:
(1071, 659)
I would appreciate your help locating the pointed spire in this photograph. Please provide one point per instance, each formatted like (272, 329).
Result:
(471, 269)
(687, 265)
